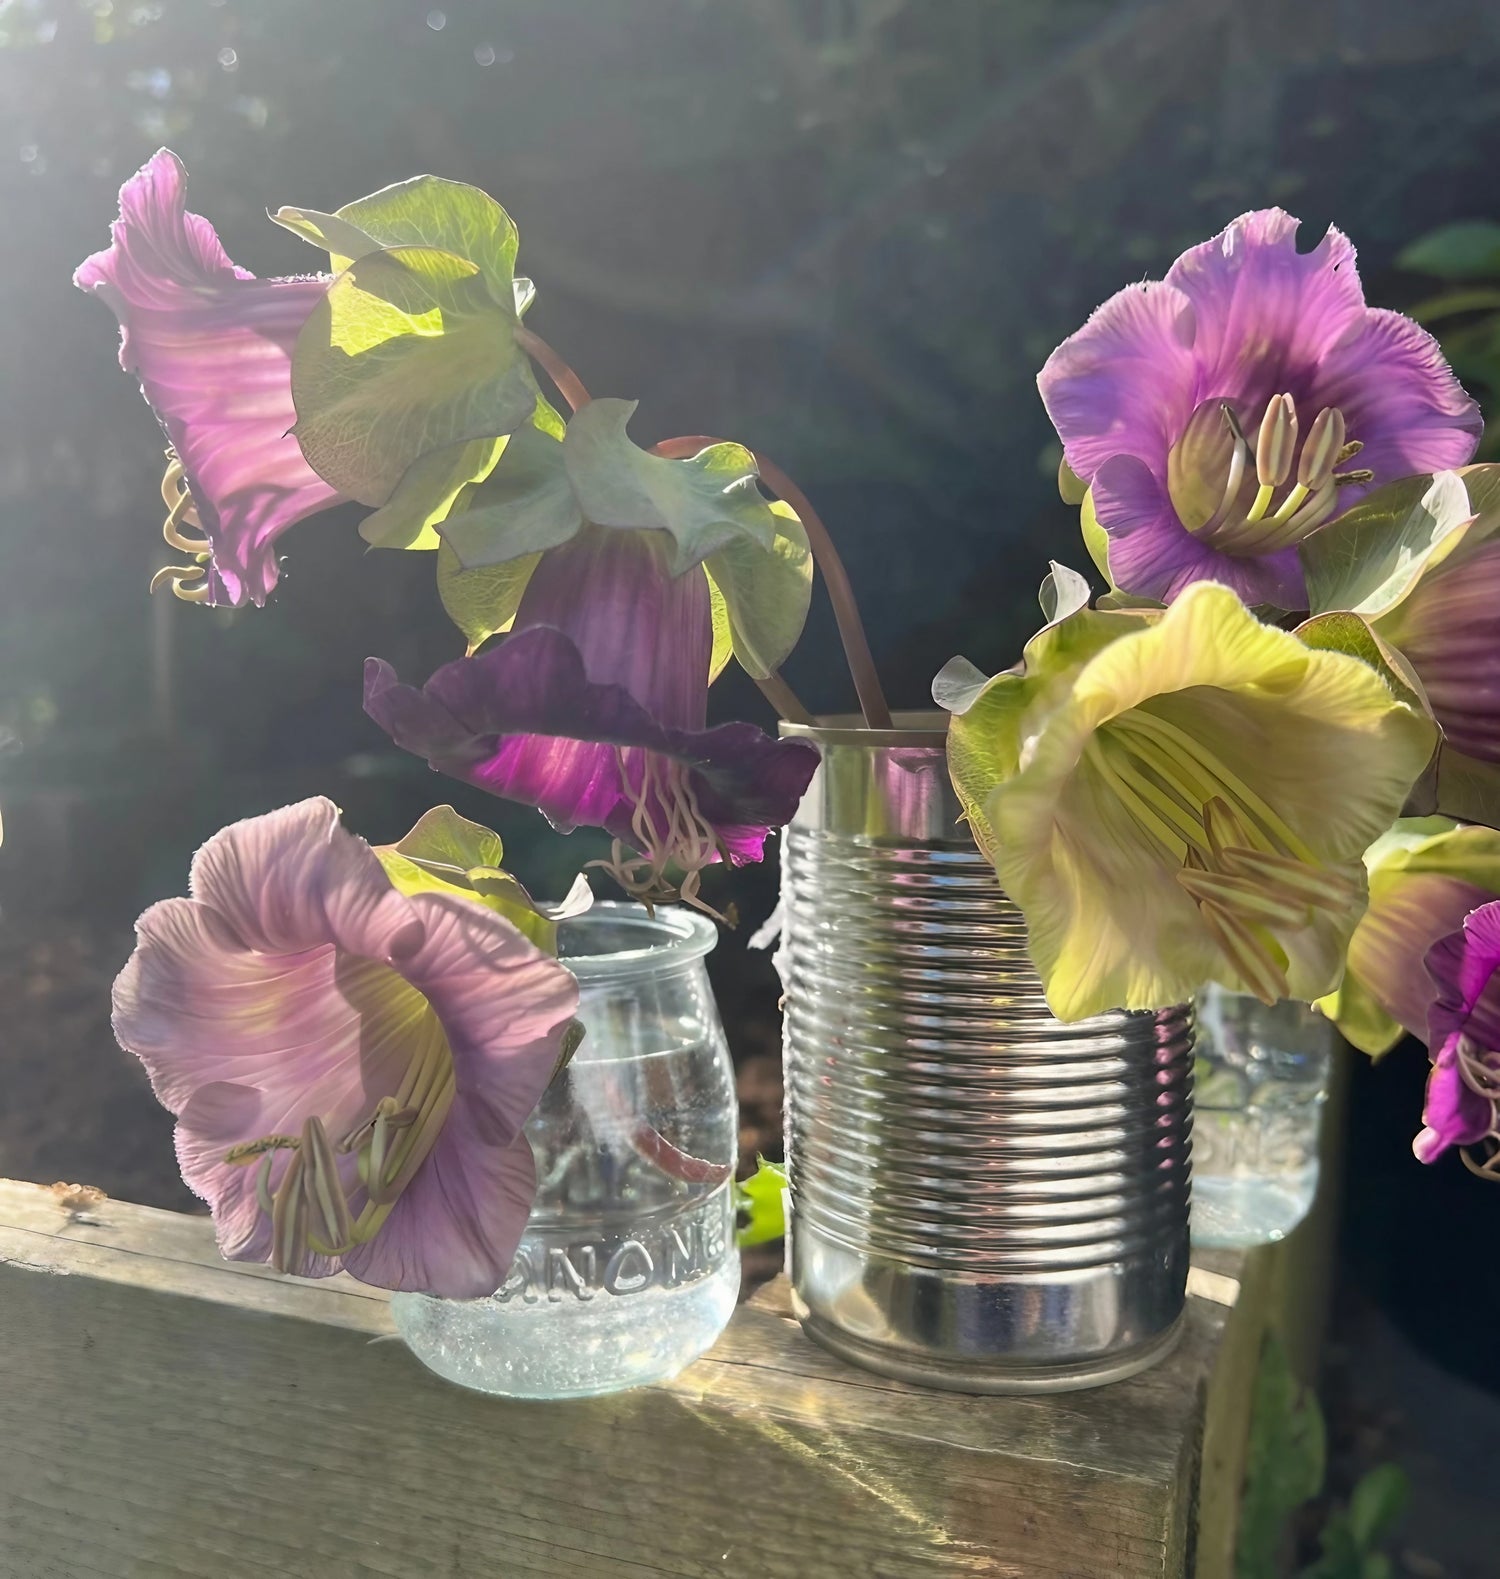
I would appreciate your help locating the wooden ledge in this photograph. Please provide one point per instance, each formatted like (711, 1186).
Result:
(164, 1414)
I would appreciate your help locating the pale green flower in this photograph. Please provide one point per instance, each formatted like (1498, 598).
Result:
(1182, 797)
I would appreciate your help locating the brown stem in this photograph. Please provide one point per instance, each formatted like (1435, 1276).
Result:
(569, 384)
(872, 701)
(784, 699)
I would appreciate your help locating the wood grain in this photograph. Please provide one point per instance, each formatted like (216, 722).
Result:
(163, 1414)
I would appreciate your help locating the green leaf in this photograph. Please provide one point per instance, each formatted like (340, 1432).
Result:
(1368, 559)
(1467, 250)
(342, 241)
(1468, 790)
(446, 853)
(1070, 485)
(408, 352)
(1095, 538)
(1284, 1464)
(723, 647)
(1348, 633)
(482, 603)
(1453, 304)
(1378, 1502)
(426, 493)
(765, 595)
(763, 1198)
(705, 503)
(424, 212)
(525, 504)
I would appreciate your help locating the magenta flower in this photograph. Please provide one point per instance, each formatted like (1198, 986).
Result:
(1210, 413)
(212, 347)
(594, 709)
(349, 1067)
(1463, 1038)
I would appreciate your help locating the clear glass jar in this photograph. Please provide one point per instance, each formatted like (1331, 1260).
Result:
(628, 1269)
(1260, 1081)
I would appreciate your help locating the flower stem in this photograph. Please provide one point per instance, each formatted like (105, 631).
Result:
(784, 699)
(861, 663)
(569, 384)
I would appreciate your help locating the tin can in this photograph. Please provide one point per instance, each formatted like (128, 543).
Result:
(983, 1198)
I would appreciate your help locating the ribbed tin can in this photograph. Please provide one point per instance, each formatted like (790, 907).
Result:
(983, 1198)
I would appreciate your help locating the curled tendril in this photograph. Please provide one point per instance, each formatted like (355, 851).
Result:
(186, 581)
(664, 794)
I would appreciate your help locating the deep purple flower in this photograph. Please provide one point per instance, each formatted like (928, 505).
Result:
(594, 711)
(212, 347)
(1463, 1037)
(1212, 413)
(349, 1067)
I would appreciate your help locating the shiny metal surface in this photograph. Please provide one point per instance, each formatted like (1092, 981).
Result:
(982, 1198)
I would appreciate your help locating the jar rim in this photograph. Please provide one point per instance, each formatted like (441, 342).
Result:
(673, 936)
(926, 728)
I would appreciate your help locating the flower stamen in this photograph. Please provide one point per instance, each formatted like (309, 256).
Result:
(668, 829)
(182, 511)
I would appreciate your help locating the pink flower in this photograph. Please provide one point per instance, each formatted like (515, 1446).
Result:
(350, 1068)
(1209, 412)
(212, 347)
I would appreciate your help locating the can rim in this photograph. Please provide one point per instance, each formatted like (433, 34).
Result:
(927, 727)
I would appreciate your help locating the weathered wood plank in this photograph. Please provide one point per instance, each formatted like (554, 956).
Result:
(162, 1414)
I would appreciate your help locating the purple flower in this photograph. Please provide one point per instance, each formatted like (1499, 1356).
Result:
(212, 347)
(594, 711)
(1209, 412)
(349, 1067)
(1463, 1037)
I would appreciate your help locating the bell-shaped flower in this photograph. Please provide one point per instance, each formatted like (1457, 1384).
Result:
(625, 581)
(1419, 561)
(1463, 1040)
(1213, 414)
(350, 1065)
(1182, 798)
(1425, 876)
(212, 347)
(594, 710)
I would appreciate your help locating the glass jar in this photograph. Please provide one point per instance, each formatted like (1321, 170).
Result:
(628, 1269)
(1260, 1083)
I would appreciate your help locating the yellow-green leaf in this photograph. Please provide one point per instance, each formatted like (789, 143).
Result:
(482, 603)
(407, 353)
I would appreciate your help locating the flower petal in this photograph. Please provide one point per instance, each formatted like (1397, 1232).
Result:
(1124, 383)
(1399, 398)
(455, 1229)
(1454, 1113)
(1251, 289)
(1318, 737)
(505, 1044)
(295, 878)
(525, 722)
(212, 346)
(1463, 968)
(1153, 555)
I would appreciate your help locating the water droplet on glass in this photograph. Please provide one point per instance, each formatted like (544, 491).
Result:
(485, 54)
(28, 152)
(437, 20)
(228, 58)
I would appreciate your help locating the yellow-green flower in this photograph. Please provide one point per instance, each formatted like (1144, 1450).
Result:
(1426, 875)
(1180, 798)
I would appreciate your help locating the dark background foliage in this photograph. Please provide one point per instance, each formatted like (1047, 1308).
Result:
(844, 231)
